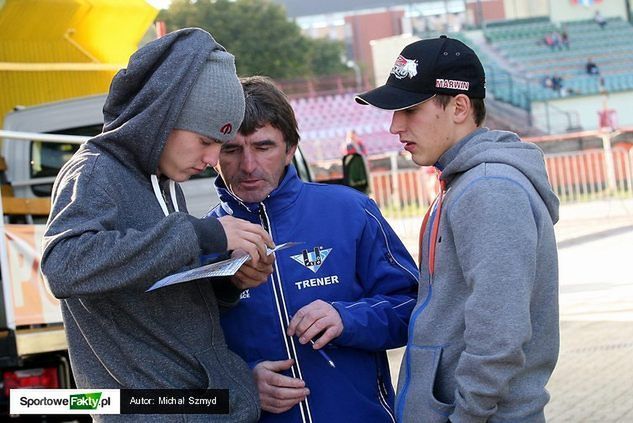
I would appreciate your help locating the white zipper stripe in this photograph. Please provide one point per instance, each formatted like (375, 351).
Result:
(281, 323)
(384, 403)
(276, 295)
(294, 350)
(303, 404)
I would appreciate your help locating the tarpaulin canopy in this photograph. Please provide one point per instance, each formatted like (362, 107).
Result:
(56, 49)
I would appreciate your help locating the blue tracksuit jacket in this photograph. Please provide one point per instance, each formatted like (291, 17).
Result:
(349, 257)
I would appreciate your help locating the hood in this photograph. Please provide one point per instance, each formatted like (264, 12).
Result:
(146, 98)
(505, 148)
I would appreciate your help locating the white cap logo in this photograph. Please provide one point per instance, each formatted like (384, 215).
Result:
(405, 67)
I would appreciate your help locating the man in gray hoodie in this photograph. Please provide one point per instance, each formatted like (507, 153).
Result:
(119, 223)
(484, 335)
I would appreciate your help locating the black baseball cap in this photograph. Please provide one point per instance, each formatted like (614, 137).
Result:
(427, 67)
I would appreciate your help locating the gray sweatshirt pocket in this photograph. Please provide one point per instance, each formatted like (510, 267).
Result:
(421, 403)
(225, 370)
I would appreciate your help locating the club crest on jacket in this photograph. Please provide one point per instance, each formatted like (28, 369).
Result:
(314, 259)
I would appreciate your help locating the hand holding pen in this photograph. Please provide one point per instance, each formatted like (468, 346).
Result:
(318, 320)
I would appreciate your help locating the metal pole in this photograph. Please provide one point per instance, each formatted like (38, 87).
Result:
(395, 195)
(608, 162)
(352, 64)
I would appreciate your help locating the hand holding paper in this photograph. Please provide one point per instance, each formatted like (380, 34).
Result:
(252, 274)
(222, 268)
(245, 236)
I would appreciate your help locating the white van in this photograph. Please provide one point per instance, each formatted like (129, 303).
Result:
(33, 165)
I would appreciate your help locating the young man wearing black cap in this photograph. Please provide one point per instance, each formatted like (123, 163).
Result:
(119, 223)
(484, 336)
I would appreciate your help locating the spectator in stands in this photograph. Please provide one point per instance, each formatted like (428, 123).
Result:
(599, 19)
(564, 38)
(556, 41)
(348, 289)
(553, 40)
(355, 170)
(548, 40)
(554, 82)
(353, 141)
(119, 223)
(557, 84)
(591, 67)
(484, 336)
(602, 88)
(547, 82)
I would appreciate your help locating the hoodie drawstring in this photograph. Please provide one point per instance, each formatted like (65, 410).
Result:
(159, 194)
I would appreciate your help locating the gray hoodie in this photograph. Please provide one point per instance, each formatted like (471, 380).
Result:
(107, 240)
(484, 336)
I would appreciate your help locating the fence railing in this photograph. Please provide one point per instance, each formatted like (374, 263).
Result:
(576, 176)
(586, 175)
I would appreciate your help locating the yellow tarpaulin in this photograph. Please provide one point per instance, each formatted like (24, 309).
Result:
(56, 49)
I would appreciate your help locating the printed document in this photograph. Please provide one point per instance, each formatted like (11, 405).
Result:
(227, 267)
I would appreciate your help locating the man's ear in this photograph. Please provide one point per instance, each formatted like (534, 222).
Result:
(463, 108)
(290, 153)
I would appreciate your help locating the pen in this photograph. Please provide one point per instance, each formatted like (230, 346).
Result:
(323, 353)
(325, 356)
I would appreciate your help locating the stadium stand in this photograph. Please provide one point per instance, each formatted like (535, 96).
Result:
(521, 44)
(516, 62)
(324, 121)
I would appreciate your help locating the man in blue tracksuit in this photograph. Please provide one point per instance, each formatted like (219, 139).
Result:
(316, 334)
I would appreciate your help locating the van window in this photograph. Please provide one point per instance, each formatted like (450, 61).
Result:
(47, 158)
(302, 166)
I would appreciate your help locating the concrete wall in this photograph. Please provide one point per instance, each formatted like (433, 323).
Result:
(486, 10)
(561, 11)
(518, 9)
(384, 54)
(586, 108)
(372, 26)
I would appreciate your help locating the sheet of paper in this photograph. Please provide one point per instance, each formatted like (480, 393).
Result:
(221, 268)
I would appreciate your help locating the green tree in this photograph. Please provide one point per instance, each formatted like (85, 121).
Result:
(260, 36)
(326, 57)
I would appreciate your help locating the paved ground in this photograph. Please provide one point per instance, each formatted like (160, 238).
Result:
(593, 381)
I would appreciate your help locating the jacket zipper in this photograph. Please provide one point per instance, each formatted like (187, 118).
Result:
(284, 319)
(382, 397)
